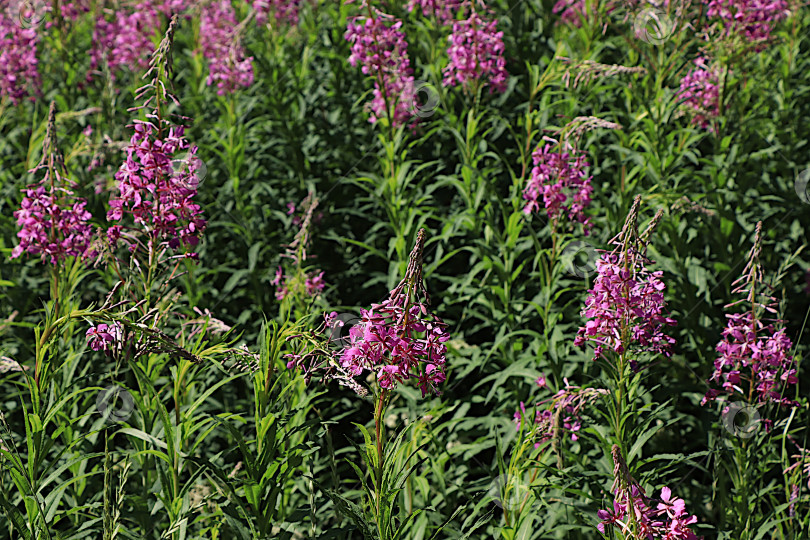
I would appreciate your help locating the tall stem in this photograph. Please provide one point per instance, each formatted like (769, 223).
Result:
(378, 428)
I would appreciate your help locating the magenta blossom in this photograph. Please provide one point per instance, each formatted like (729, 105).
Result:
(228, 67)
(755, 357)
(19, 76)
(626, 310)
(754, 354)
(559, 176)
(157, 185)
(104, 336)
(633, 510)
(395, 341)
(54, 222)
(476, 54)
(752, 19)
(126, 42)
(700, 93)
(397, 344)
(571, 11)
(443, 10)
(379, 47)
(73, 10)
(283, 11)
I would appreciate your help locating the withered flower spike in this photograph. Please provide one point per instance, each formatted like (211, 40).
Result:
(621, 474)
(301, 239)
(413, 274)
(160, 65)
(648, 232)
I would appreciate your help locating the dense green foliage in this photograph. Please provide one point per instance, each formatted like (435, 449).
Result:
(212, 450)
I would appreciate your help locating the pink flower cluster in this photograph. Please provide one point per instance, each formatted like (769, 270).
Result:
(155, 191)
(227, 65)
(700, 92)
(126, 41)
(559, 176)
(760, 350)
(104, 336)
(73, 10)
(397, 343)
(566, 405)
(755, 357)
(170, 7)
(313, 284)
(53, 223)
(573, 11)
(625, 309)
(443, 10)
(18, 57)
(284, 11)
(633, 510)
(476, 53)
(298, 220)
(754, 19)
(379, 46)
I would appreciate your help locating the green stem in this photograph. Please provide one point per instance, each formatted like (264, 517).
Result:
(378, 429)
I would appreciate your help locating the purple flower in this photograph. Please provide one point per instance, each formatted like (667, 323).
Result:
(19, 76)
(566, 406)
(573, 11)
(626, 307)
(170, 7)
(227, 65)
(53, 223)
(700, 93)
(379, 47)
(104, 336)
(73, 10)
(284, 11)
(158, 198)
(476, 53)
(443, 10)
(668, 520)
(126, 41)
(754, 355)
(752, 19)
(559, 176)
(398, 342)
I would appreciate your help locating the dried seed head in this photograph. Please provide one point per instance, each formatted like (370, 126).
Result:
(413, 279)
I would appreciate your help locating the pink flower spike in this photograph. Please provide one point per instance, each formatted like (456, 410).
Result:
(476, 53)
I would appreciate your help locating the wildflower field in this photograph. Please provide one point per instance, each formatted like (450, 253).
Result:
(427, 269)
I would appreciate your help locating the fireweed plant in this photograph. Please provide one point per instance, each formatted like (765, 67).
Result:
(635, 515)
(379, 47)
(19, 76)
(626, 315)
(55, 225)
(151, 222)
(755, 362)
(542, 429)
(145, 327)
(294, 281)
(754, 378)
(395, 341)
